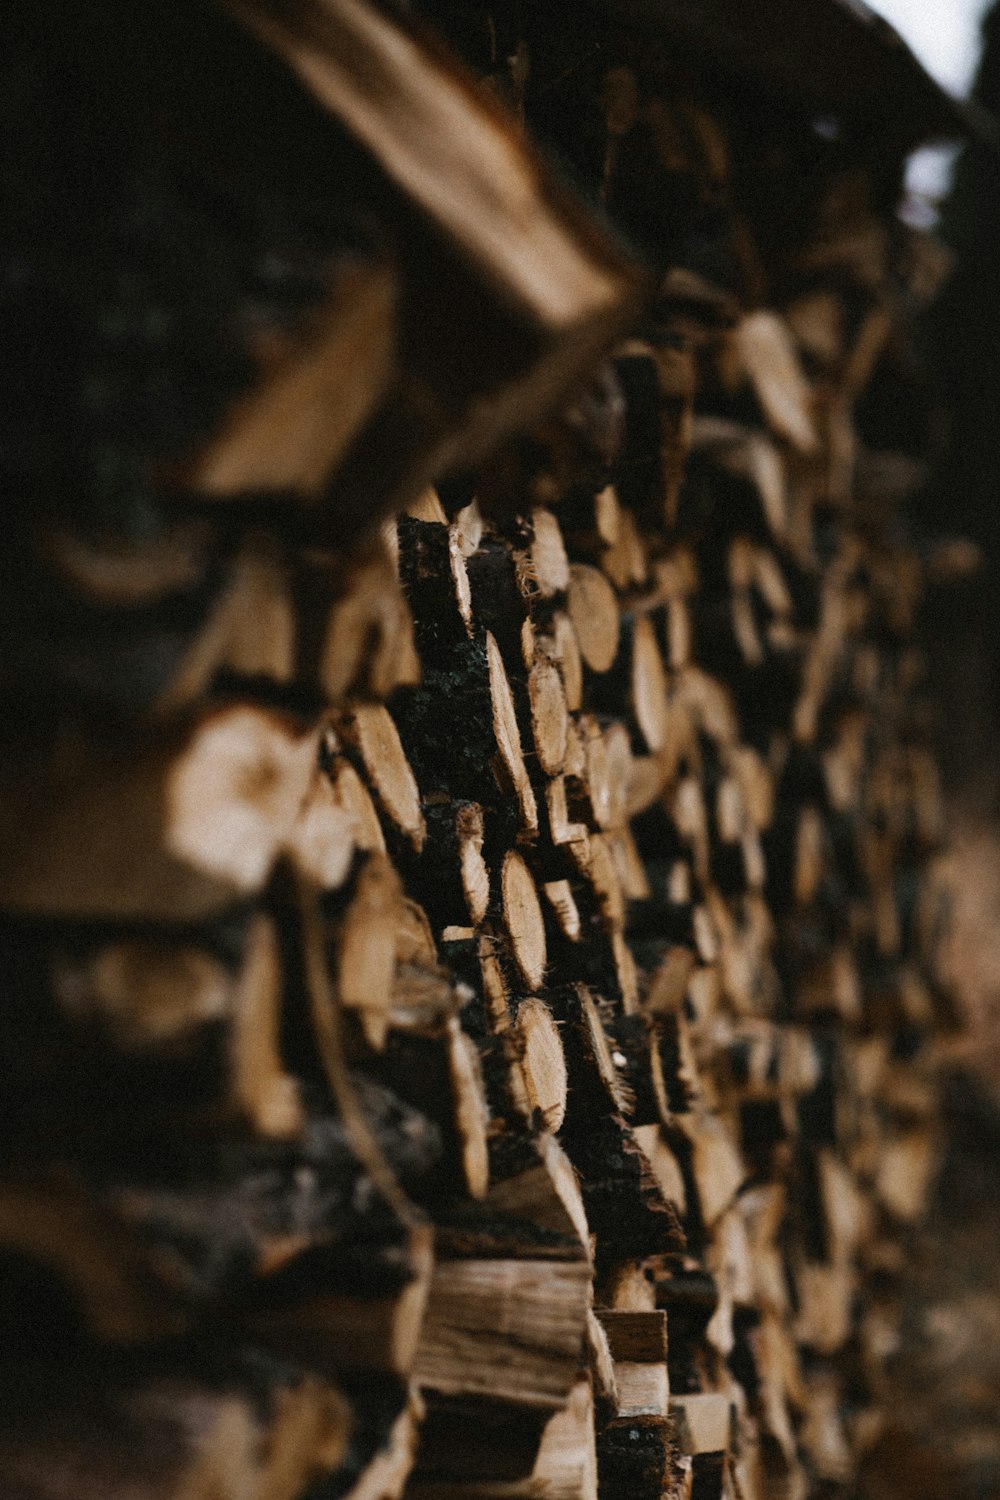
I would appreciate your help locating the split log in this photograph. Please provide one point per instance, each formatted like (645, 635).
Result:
(293, 430)
(523, 919)
(174, 829)
(638, 1345)
(593, 611)
(537, 1060)
(369, 730)
(624, 1204)
(704, 1425)
(490, 235)
(565, 1467)
(511, 1330)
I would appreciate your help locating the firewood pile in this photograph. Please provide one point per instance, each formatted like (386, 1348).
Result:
(467, 864)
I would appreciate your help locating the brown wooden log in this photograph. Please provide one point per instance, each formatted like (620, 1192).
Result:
(491, 248)
(55, 1228)
(292, 431)
(538, 1066)
(549, 565)
(432, 569)
(567, 654)
(370, 731)
(428, 1061)
(703, 1424)
(365, 946)
(453, 876)
(175, 828)
(563, 829)
(358, 1332)
(350, 795)
(649, 687)
(251, 630)
(366, 643)
(716, 1164)
(564, 1467)
(638, 1344)
(532, 1179)
(559, 894)
(512, 1330)
(592, 1072)
(523, 919)
(549, 721)
(781, 388)
(625, 1206)
(635, 1053)
(141, 1253)
(142, 1032)
(126, 572)
(593, 611)
(508, 735)
(336, 817)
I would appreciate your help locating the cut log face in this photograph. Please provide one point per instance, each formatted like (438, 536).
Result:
(649, 687)
(367, 945)
(323, 838)
(568, 655)
(593, 611)
(548, 555)
(523, 918)
(548, 715)
(559, 894)
(780, 386)
(475, 875)
(637, 1336)
(351, 797)
(172, 833)
(235, 793)
(704, 1423)
(371, 729)
(541, 1189)
(508, 735)
(541, 1062)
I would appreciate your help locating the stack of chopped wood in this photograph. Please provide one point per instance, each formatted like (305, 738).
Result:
(468, 981)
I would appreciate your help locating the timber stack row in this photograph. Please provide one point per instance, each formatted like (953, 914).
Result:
(467, 862)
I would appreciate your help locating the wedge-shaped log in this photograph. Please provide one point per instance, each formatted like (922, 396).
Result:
(494, 248)
(175, 827)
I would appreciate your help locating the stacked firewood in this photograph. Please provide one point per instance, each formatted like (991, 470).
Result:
(468, 983)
